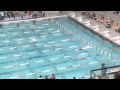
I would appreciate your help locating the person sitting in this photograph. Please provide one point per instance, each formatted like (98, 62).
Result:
(101, 19)
(119, 30)
(88, 14)
(116, 27)
(109, 23)
(84, 12)
(52, 76)
(94, 16)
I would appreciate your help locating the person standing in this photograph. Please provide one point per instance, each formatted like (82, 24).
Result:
(74, 77)
(104, 70)
(43, 13)
(12, 15)
(8, 15)
(2, 15)
(25, 12)
(46, 77)
(30, 13)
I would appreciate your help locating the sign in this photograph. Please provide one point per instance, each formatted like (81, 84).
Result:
(17, 18)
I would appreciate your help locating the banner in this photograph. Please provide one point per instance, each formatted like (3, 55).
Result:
(18, 18)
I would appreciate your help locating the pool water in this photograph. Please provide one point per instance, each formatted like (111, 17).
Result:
(28, 51)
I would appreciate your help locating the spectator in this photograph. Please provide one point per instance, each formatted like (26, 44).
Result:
(119, 30)
(94, 16)
(88, 14)
(84, 12)
(25, 12)
(8, 15)
(117, 12)
(30, 13)
(74, 77)
(52, 76)
(2, 15)
(12, 15)
(117, 27)
(101, 19)
(43, 13)
(91, 14)
(109, 23)
(40, 77)
(104, 70)
(46, 77)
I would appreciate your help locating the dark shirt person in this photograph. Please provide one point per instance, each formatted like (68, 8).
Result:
(12, 14)
(74, 77)
(8, 15)
(104, 71)
(40, 77)
(46, 77)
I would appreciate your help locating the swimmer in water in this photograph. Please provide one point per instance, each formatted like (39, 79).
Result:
(34, 22)
(31, 28)
(18, 24)
(1, 26)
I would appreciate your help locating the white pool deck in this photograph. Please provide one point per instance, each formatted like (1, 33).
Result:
(93, 25)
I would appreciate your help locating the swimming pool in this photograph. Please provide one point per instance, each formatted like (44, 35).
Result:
(45, 48)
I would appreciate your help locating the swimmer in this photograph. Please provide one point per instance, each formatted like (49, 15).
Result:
(31, 28)
(78, 49)
(34, 22)
(1, 26)
(18, 24)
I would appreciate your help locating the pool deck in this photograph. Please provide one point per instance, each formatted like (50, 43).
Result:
(112, 34)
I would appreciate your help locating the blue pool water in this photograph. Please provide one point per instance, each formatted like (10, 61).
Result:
(26, 53)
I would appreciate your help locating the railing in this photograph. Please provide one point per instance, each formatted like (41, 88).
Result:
(111, 71)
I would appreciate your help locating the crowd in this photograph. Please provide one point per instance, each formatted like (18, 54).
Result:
(11, 14)
(116, 12)
(7, 14)
(103, 74)
(46, 77)
(107, 23)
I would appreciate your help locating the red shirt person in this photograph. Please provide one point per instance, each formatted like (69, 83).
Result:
(30, 13)
(52, 76)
